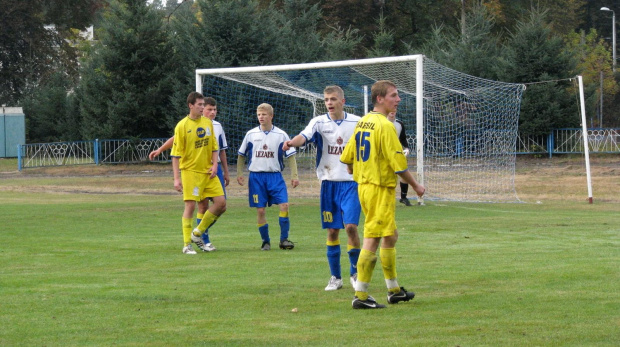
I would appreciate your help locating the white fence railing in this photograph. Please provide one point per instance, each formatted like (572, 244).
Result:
(559, 141)
(565, 141)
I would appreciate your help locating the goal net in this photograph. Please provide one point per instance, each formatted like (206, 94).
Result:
(462, 130)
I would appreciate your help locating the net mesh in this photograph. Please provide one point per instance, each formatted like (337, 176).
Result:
(470, 124)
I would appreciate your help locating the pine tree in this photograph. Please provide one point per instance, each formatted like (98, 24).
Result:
(125, 87)
(533, 54)
(384, 40)
(44, 124)
(472, 50)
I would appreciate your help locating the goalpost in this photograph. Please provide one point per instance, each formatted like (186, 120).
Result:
(462, 130)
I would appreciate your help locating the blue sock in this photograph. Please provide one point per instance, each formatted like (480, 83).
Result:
(205, 236)
(284, 227)
(354, 254)
(333, 258)
(264, 232)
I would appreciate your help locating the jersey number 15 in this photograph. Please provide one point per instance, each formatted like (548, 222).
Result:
(362, 146)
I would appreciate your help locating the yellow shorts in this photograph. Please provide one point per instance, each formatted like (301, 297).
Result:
(379, 207)
(198, 186)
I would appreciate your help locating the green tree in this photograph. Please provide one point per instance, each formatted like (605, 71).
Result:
(472, 50)
(302, 19)
(594, 58)
(412, 21)
(409, 21)
(383, 40)
(361, 15)
(46, 110)
(299, 19)
(125, 86)
(31, 52)
(533, 53)
(341, 44)
(220, 33)
(563, 16)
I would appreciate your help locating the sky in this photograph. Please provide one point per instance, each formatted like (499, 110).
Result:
(164, 1)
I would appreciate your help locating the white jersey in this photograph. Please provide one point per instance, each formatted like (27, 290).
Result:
(220, 137)
(264, 149)
(330, 138)
(397, 124)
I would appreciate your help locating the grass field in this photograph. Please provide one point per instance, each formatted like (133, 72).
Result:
(92, 258)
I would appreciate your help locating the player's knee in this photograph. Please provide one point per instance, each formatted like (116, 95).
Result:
(351, 229)
(332, 234)
(222, 208)
(219, 204)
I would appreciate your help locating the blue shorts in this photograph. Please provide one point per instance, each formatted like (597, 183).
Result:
(266, 189)
(220, 175)
(340, 204)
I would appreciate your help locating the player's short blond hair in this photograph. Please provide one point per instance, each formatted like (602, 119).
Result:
(380, 88)
(265, 107)
(334, 89)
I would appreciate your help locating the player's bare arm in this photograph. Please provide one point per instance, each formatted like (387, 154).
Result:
(224, 163)
(297, 141)
(408, 177)
(177, 174)
(240, 164)
(166, 146)
(294, 175)
(213, 169)
(154, 154)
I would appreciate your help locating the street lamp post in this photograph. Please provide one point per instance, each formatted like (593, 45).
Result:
(613, 35)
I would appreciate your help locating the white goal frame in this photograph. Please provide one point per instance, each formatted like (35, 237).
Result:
(418, 58)
(465, 127)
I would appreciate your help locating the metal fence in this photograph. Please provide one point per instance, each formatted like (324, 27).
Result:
(559, 141)
(570, 140)
(87, 152)
(56, 154)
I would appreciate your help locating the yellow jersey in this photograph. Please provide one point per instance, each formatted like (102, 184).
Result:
(375, 151)
(194, 143)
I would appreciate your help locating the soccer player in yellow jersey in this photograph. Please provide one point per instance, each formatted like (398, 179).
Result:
(194, 165)
(375, 157)
(209, 111)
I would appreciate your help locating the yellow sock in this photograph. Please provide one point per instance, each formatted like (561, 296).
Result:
(388, 262)
(333, 243)
(208, 219)
(187, 230)
(365, 265)
(283, 214)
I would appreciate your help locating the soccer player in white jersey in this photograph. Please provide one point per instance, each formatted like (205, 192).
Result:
(340, 205)
(402, 138)
(209, 111)
(262, 148)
